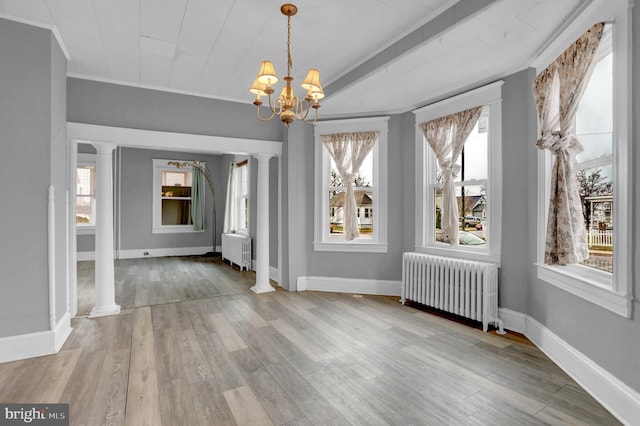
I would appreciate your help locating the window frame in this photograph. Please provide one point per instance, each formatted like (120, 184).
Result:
(611, 291)
(242, 169)
(378, 241)
(426, 166)
(160, 165)
(85, 159)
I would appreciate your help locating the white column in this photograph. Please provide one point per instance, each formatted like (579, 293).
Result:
(262, 225)
(105, 281)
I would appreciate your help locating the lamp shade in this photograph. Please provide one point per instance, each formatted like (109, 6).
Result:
(312, 81)
(267, 74)
(257, 88)
(318, 93)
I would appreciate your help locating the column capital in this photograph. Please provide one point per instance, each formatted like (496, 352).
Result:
(104, 147)
(263, 156)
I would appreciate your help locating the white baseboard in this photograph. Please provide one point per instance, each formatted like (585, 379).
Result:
(62, 331)
(85, 255)
(350, 285)
(138, 253)
(41, 343)
(513, 320)
(163, 252)
(274, 274)
(617, 397)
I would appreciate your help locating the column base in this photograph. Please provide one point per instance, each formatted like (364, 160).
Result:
(266, 288)
(103, 311)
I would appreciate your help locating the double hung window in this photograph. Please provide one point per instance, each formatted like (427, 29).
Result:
(476, 175)
(172, 197)
(351, 183)
(86, 193)
(602, 127)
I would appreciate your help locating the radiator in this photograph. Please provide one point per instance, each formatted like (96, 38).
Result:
(236, 249)
(462, 287)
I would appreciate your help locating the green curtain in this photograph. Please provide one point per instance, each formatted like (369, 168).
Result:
(197, 198)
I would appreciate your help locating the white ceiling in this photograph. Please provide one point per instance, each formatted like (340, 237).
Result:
(213, 47)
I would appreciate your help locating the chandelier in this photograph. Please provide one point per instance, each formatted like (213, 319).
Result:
(288, 106)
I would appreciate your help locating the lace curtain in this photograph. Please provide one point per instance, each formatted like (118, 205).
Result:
(446, 137)
(557, 91)
(197, 198)
(348, 151)
(230, 205)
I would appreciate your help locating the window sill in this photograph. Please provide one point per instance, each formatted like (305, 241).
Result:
(357, 247)
(188, 229)
(85, 230)
(460, 253)
(593, 286)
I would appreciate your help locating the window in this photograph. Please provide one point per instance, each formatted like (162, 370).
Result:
(367, 183)
(86, 193)
(242, 196)
(603, 128)
(477, 184)
(171, 197)
(594, 128)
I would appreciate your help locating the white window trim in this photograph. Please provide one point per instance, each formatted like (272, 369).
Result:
(377, 244)
(85, 159)
(238, 198)
(610, 291)
(490, 95)
(157, 227)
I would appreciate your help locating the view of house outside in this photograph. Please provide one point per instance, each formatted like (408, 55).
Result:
(363, 191)
(594, 128)
(470, 185)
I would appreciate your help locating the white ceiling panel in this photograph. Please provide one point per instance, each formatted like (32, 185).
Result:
(162, 19)
(214, 48)
(35, 10)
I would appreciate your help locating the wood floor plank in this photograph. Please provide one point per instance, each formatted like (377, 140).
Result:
(518, 400)
(80, 392)
(310, 348)
(142, 343)
(111, 392)
(196, 366)
(143, 399)
(225, 371)
(316, 407)
(52, 383)
(245, 407)
(177, 406)
(231, 340)
(280, 408)
(209, 403)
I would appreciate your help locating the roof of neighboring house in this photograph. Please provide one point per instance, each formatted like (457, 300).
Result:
(362, 199)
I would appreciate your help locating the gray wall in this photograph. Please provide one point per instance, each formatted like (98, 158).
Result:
(123, 106)
(136, 194)
(31, 126)
(519, 192)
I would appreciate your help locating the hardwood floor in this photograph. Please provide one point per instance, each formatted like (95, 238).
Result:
(210, 352)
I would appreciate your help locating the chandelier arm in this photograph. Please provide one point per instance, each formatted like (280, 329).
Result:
(273, 114)
(303, 117)
(315, 118)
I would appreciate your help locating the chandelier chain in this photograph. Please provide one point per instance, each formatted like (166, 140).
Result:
(289, 63)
